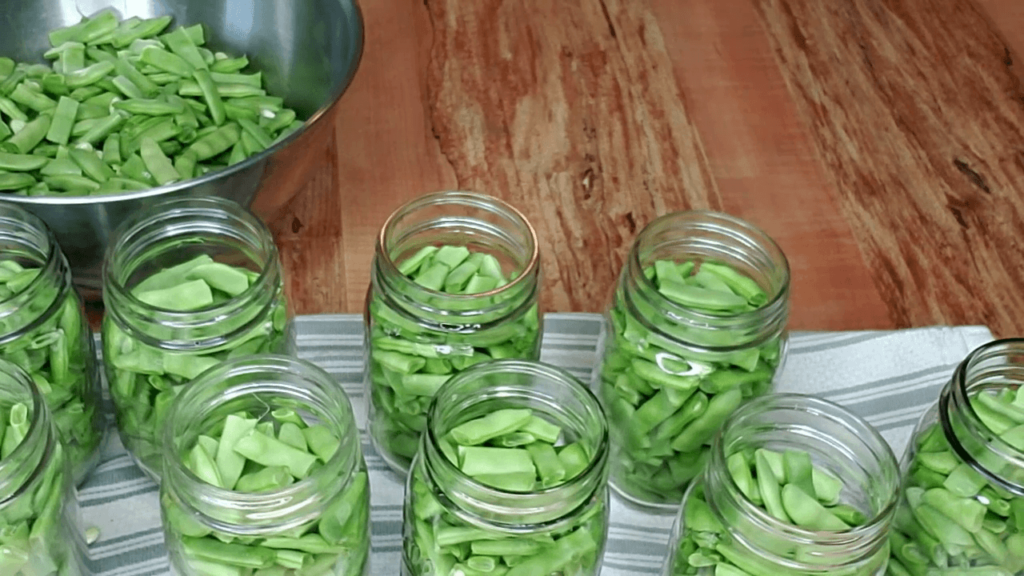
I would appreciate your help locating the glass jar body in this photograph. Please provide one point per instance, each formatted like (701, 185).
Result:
(418, 334)
(44, 331)
(318, 525)
(725, 526)
(963, 496)
(187, 285)
(671, 373)
(455, 524)
(39, 514)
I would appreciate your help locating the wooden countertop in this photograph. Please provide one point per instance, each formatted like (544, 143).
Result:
(880, 142)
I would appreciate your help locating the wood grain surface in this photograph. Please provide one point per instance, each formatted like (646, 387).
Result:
(880, 142)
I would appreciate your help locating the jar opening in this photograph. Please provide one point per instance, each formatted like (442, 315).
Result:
(176, 233)
(259, 385)
(700, 236)
(552, 394)
(991, 369)
(479, 222)
(839, 444)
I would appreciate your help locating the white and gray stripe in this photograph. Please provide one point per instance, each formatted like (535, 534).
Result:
(888, 377)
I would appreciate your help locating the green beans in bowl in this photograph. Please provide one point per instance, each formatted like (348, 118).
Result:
(98, 116)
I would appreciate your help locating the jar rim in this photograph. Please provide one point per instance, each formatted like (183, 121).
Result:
(755, 238)
(860, 430)
(121, 299)
(340, 468)
(594, 473)
(470, 199)
(956, 397)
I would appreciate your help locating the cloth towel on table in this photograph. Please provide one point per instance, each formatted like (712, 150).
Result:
(888, 377)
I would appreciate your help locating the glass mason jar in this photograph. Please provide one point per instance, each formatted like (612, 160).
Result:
(44, 330)
(456, 524)
(962, 510)
(187, 284)
(724, 525)
(454, 282)
(697, 325)
(38, 512)
(305, 507)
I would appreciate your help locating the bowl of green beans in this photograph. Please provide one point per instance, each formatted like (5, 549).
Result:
(109, 105)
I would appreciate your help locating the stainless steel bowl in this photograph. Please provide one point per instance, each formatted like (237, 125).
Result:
(308, 51)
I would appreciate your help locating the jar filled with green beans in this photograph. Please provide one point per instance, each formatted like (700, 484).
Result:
(511, 476)
(454, 282)
(962, 510)
(264, 474)
(794, 486)
(44, 330)
(38, 512)
(696, 327)
(187, 284)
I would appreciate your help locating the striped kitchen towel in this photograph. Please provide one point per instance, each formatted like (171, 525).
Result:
(889, 377)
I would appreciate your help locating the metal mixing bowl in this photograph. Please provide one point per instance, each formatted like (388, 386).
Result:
(308, 51)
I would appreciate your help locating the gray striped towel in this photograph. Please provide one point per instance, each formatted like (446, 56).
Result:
(889, 377)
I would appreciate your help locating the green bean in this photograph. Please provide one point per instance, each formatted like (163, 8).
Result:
(639, 366)
(440, 538)
(21, 162)
(398, 369)
(157, 163)
(339, 533)
(961, 520)
(63, 119)
(139, 373)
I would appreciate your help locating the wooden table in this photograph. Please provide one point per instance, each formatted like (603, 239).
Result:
(880, 142)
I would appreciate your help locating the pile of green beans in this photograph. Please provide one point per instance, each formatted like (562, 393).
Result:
(57, 355)
(144, 380)
(409, 362)
(33, 536)
(254, 453)
(789, 488)
(952, 520)
(665, 401)
(512, 450)
(128, 106)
